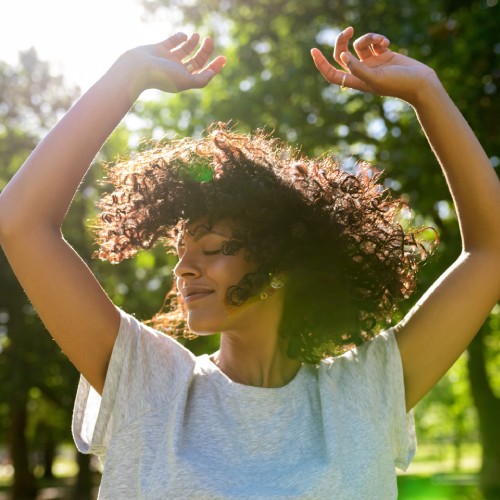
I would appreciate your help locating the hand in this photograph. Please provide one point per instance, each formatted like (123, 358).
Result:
(377, 69)
(173, 66)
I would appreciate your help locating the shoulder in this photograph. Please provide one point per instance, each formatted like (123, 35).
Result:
(371, 361)
(365, 386)
(135, 336)
(380, 346)
(147, 370)
(146, 362)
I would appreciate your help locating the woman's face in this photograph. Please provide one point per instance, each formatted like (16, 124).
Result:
(204, 275)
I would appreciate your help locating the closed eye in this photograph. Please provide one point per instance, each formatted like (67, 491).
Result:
(211, 252)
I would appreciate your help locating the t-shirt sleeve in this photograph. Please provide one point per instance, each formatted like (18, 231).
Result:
(374, 373)
(145, 371)
(384, 359)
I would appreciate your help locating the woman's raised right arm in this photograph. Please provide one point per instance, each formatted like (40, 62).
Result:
(71, 303)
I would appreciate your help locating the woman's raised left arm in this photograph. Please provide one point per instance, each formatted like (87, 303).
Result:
(443, 322)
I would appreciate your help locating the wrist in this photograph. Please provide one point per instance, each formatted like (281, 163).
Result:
(128, 73)
(427, 92)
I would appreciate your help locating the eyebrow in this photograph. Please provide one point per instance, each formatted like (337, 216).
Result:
(200, 232)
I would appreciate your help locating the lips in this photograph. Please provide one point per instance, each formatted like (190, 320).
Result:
(194, 293)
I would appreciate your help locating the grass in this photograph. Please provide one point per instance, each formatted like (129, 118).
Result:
(439, 487)
(432, 474)
(440, 458)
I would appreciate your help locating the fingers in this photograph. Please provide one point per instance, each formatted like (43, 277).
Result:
(330, 74)
(201, 57)
(202, 75)
(177, 63)
(186, 47)
(216, 65)
(366, 46)
(174, 40)
(202, 78)
(338, 77)
(342, 44)
(370, 44)
(360, 73)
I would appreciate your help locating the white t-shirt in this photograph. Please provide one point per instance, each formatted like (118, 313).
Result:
(172, 425)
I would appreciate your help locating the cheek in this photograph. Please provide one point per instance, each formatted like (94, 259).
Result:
(231, 269)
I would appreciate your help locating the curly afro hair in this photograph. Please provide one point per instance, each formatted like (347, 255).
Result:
(335, 235)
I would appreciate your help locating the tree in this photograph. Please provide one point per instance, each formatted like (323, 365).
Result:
(31, 99)
(38, 382)
(488, 406)
(446, 415)
(270, 81)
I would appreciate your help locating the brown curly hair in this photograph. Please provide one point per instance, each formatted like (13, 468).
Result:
(334, 234)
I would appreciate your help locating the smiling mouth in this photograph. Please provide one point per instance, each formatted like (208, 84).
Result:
(193, 297)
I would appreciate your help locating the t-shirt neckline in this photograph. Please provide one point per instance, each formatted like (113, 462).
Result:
(236, 389)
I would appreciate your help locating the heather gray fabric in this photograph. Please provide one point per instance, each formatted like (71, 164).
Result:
(170, 425)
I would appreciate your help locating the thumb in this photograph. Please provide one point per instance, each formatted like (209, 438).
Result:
(355, 67)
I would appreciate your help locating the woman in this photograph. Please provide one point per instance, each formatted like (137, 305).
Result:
(252, 421)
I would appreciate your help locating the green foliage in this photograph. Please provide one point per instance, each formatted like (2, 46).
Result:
(447, 413)
(492, 342)
(439, 487)
(30, 102)
(270, 81)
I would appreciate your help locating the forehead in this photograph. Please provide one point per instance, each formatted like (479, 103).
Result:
(199, 228)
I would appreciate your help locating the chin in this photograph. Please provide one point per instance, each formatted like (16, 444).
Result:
(203, 326)
(214, 320)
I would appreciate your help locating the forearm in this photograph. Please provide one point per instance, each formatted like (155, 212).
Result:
(42, 190)
(473, 183)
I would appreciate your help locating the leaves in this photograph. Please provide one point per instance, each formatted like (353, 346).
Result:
(270, 81)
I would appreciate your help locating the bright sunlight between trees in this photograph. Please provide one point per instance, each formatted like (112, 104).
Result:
(269, 82)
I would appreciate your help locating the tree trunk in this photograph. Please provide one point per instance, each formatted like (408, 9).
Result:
(83, 486)
(24, 482)
(488, 408)
(49, 453)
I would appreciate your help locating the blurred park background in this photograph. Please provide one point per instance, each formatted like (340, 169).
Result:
(269, 81)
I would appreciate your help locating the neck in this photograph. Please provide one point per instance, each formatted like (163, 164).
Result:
(243, 365)
(256, 355)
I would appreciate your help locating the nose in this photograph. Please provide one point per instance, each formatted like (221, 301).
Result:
(187, 266)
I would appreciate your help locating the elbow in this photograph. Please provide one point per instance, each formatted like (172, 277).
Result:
(485, 246)
(12, 222)
(486, 259)
(8, 215)
(7, 230)
(5, 222)
(17, 222)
